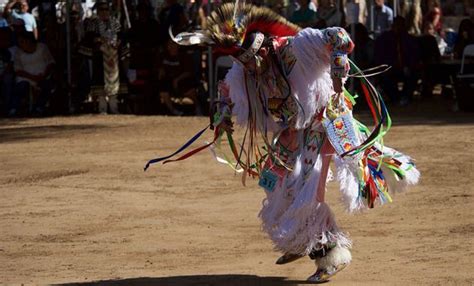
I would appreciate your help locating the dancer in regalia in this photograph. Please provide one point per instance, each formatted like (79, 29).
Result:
(286, 88)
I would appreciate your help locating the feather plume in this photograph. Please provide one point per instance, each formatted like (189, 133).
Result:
(229, 35)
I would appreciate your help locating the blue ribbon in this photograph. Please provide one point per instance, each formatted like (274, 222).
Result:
(376, 173)
(186, 145)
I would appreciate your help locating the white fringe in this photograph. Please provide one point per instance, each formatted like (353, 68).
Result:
(348, 185)
(236, 82)
(310, 78)
(293, 218)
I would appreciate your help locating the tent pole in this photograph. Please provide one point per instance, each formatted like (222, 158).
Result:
(68, 54)
(210, 69)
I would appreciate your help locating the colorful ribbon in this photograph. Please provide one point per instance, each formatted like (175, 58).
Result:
(184, 147)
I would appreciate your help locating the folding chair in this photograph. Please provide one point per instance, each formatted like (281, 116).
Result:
(468, 52)
(464, 86)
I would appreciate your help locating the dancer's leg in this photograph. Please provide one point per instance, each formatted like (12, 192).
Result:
(331, 258)
(326, 154)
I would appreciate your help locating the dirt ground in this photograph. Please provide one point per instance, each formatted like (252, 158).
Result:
(76, 207)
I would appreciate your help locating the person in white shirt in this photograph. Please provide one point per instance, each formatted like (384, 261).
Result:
(33, 65)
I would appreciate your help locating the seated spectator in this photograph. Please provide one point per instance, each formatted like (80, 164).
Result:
(33, 65)
(7, 75)
(465, 37)
(429, 30)
(304, 16)
(18, 10)
(382, 18)
(327, 14)
(399, 50)
(176, 78)
(434, 16)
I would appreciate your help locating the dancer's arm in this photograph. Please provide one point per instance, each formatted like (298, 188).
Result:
(223, 115)
(340, 45)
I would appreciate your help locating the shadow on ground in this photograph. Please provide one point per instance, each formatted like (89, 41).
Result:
(14, 134)
(197, 280)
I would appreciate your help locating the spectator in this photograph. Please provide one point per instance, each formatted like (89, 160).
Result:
(352, 11)
(18, 9)
(363, 56)
(171, 15)
(33, 66)
(430, 57)
(204, 8)
(429, 30)
(102, 43)
(79, 84)
(6, 67)
(143, 47)
(143, 42)
(278, 6)
(176, 79)
(18, 27)
(304, 16)
(465, 37)
(380, 18)
(411, 10)
(196, 14)
(434, 16)
(328, 15)
(364, 53)
(400, 50)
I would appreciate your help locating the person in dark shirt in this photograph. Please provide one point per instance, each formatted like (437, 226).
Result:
(144, 44)
(465, 37)
(399, 50)
(304, 17)
(430, 57)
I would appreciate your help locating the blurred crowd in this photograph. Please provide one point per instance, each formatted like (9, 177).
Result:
(121, 58)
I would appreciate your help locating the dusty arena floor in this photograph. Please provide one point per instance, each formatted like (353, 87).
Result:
(76, 207)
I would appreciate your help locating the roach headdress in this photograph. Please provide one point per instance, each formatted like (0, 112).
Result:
(232, 24)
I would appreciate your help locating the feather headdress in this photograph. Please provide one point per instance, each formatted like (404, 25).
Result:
(229, 26)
